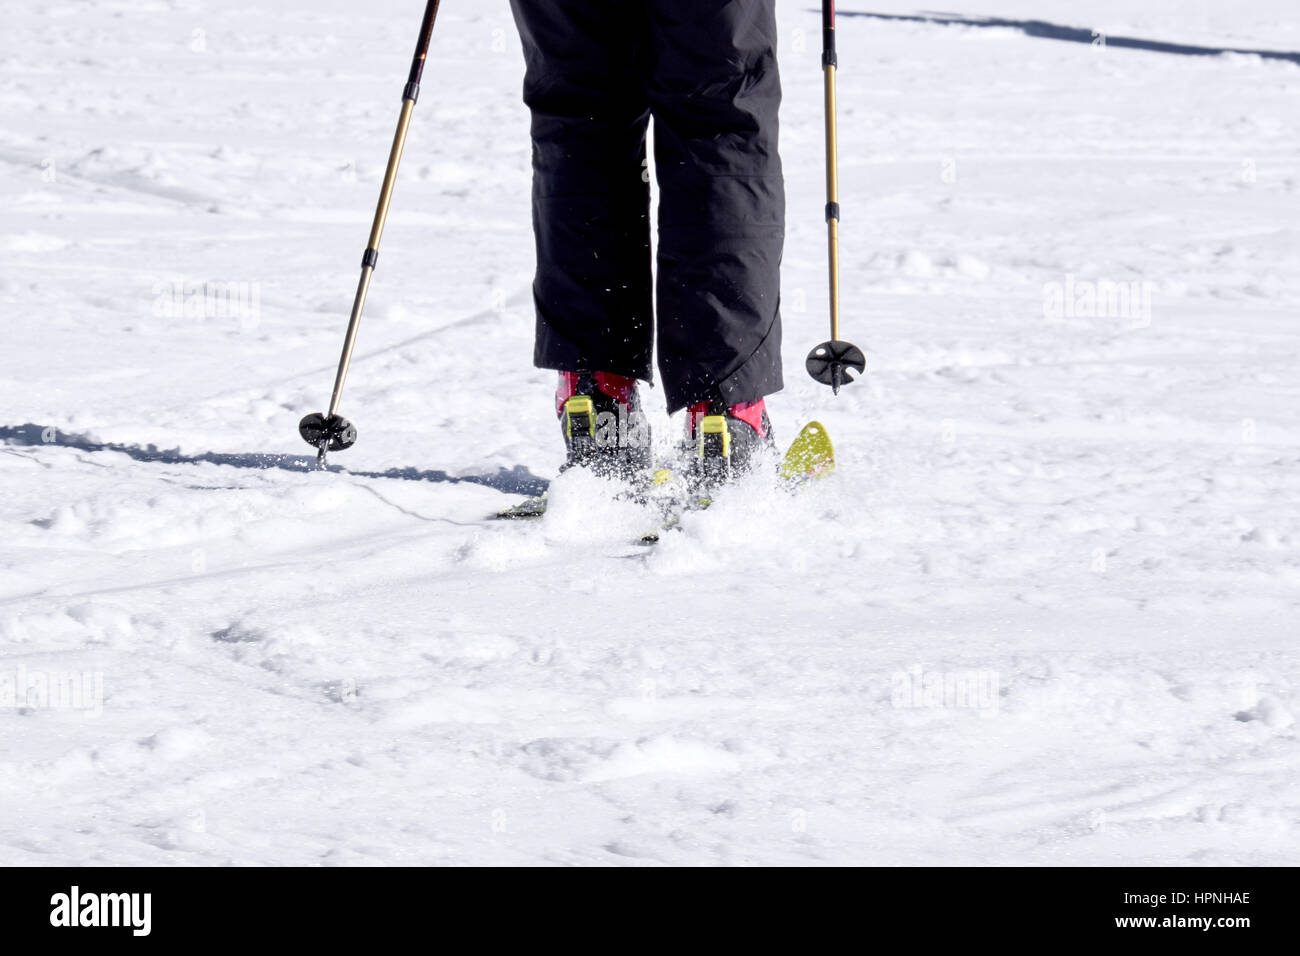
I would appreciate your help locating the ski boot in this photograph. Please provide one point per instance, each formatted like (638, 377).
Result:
(725, 442)
(603, 425)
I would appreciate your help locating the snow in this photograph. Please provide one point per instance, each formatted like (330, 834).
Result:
(1045, 612)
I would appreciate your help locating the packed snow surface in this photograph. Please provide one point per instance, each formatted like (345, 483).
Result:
(1045, 611)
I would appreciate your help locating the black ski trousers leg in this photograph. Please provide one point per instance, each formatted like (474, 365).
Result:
(596, 70)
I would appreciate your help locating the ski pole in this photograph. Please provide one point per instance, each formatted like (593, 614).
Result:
(830, 362)
(330, 431)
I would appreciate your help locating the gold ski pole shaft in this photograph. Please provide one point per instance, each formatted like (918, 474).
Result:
(832, 184)
(368, 261)
(830, 362)
(329, 431)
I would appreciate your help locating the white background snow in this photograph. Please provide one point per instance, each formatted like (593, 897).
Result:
(1085, 524)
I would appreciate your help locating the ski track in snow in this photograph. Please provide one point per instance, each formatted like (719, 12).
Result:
(1087, 524)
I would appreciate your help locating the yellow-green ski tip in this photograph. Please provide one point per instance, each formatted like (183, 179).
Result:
(810, 456)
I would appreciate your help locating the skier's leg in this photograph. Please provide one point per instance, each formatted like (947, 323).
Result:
(714, 93)
(585, 85)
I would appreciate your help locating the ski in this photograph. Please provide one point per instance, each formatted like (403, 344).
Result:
(810, 456)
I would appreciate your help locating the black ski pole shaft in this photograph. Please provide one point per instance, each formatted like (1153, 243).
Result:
(328, 431)
(830, 362)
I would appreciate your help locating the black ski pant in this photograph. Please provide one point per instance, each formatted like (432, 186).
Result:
(596, 71)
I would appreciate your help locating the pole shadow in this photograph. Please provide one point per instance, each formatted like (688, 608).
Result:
(1055, 31)
(510, 481)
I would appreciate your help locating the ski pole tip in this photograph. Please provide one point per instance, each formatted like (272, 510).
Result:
(830, 363)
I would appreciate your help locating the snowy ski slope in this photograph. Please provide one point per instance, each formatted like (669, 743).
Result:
(1046, 612)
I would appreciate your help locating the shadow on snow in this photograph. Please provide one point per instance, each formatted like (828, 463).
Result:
(1055, 31)
(511, 481)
